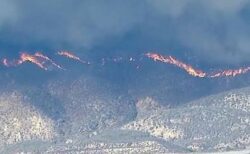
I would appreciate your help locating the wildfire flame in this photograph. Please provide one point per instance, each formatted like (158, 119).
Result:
(230, 72)
(195, 72)
(43, 62)
(25, 57)
(71, 56)
(38, 59)
(39, 54)
(5, 62)
(171, 60)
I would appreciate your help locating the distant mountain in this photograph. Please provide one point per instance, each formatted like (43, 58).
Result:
(91, 104)
(97, 118)
(215, 123)
(20, 121)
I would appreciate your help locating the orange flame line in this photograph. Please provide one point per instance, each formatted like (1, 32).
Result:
(25, 57)
(195, 72)
(39, 54)
(38, 59)
(71, 56)
(171, 60)
(230, 72)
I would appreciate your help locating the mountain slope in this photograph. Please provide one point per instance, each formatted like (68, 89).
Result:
(91, 105)
(218, 122)
(98, 119)
(20, 121)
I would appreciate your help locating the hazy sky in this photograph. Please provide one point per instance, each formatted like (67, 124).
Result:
(214, 31)
(209, 34)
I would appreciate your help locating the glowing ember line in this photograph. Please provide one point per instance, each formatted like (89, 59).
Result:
(71, 56)
(5, 62)
(24, 57)
(38, 54)
(171, 60)
(230, 72)
(195, 72)
(38, 59)
(43, 61)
